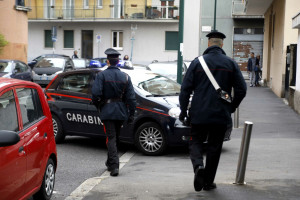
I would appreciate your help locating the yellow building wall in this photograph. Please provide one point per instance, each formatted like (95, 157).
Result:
(15, 31)
(130, 7)
(283, 36)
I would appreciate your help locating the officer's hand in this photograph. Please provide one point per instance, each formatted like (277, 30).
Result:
(130, 119)
(182, 116)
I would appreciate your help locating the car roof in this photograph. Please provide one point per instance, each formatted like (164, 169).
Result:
(8, 82)
(53, 55)
(7, 60)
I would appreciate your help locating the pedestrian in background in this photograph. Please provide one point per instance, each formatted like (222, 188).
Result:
(126, 57)
(113, 93)
(257, 70)
(209, 114)
(250, 67)
(75, 54)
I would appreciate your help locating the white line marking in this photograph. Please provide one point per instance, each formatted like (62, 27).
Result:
(81, 191)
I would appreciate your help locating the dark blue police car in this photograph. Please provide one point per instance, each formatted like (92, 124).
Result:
(156, 123)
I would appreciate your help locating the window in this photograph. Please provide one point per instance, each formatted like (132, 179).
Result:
(117, 40)
(20, 2)
(85, 4)
(21, 67)
(48, 39)
(30, 105)
(273, 30)
(75, 83)
(68, 39)
(99, 3)
(8, 112)
(172, 42)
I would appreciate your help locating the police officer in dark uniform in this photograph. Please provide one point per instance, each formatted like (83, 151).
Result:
(113, 93)
(209, 114)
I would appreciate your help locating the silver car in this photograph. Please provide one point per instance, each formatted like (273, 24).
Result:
(47, 68)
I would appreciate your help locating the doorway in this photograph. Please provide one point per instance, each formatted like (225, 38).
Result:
(87, 44)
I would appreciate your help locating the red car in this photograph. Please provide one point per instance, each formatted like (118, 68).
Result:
(28, 157)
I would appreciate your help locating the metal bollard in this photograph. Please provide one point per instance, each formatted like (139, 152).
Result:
(241, 168)
(236, 118)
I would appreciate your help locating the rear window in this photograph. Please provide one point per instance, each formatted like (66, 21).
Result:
(75, 83)
(5, 66)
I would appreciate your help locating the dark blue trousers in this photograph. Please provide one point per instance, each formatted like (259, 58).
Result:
(214, 135)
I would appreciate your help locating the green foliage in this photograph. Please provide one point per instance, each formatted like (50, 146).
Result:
(3, 42)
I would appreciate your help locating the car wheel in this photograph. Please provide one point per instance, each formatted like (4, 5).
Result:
(150, 139)
(47, 186)
(57, 129)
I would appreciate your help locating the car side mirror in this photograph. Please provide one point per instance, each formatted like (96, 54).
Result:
(8, 138)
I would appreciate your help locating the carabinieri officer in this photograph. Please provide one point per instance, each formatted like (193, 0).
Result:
(209, 114)
(113, 92)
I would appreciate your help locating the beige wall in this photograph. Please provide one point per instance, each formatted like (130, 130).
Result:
(15, 30)
(275, 56)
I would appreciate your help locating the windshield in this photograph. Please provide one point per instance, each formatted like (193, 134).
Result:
(5, 66)
(154, 84)
(51, 62)
(164, 69)
(79, 63)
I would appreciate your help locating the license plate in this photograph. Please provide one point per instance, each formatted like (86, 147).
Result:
(44, 78)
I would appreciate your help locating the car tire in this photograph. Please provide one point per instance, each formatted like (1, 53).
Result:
(57, 129)
(150, 139)
(47, 186)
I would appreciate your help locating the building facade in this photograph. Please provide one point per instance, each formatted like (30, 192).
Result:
(145, 30)
(14, 26)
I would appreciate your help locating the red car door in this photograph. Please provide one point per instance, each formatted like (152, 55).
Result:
(36, 126)
(12, 158)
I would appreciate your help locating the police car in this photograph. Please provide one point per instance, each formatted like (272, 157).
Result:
(156, 123)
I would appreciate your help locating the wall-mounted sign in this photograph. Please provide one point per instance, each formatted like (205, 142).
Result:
(206, 28)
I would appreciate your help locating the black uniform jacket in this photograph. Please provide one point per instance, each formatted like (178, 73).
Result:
(206, 106)
(109, 85)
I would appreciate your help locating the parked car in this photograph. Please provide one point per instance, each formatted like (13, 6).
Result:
(156, 123)
(80, 63)
(168, 69)
(102, 60)
(27, 145)
(37, 59)
(15, 69)
(126, 64)
(95, 64)
(47, 68)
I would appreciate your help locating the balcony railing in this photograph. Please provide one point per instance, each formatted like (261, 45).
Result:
(105, 12)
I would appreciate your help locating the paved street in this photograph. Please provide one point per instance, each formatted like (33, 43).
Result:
(272, 169)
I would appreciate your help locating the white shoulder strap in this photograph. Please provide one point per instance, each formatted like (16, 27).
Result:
(208, 73)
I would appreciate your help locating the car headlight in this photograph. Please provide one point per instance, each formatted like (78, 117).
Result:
(33, 73)
(174, 112)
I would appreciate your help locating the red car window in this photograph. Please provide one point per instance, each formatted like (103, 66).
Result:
(30, 105)
(8, 105)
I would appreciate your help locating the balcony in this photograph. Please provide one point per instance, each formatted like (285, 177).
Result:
(109, 12)
(238, 7)
(23, 5)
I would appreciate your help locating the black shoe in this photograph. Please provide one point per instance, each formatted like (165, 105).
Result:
(199, 178)
(114, 172)
(109, 168)
(209, 186)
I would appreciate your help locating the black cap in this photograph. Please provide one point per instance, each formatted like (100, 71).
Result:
(215, 34)
(110, 52)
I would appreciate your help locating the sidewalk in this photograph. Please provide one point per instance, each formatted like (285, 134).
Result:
(273, 167)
